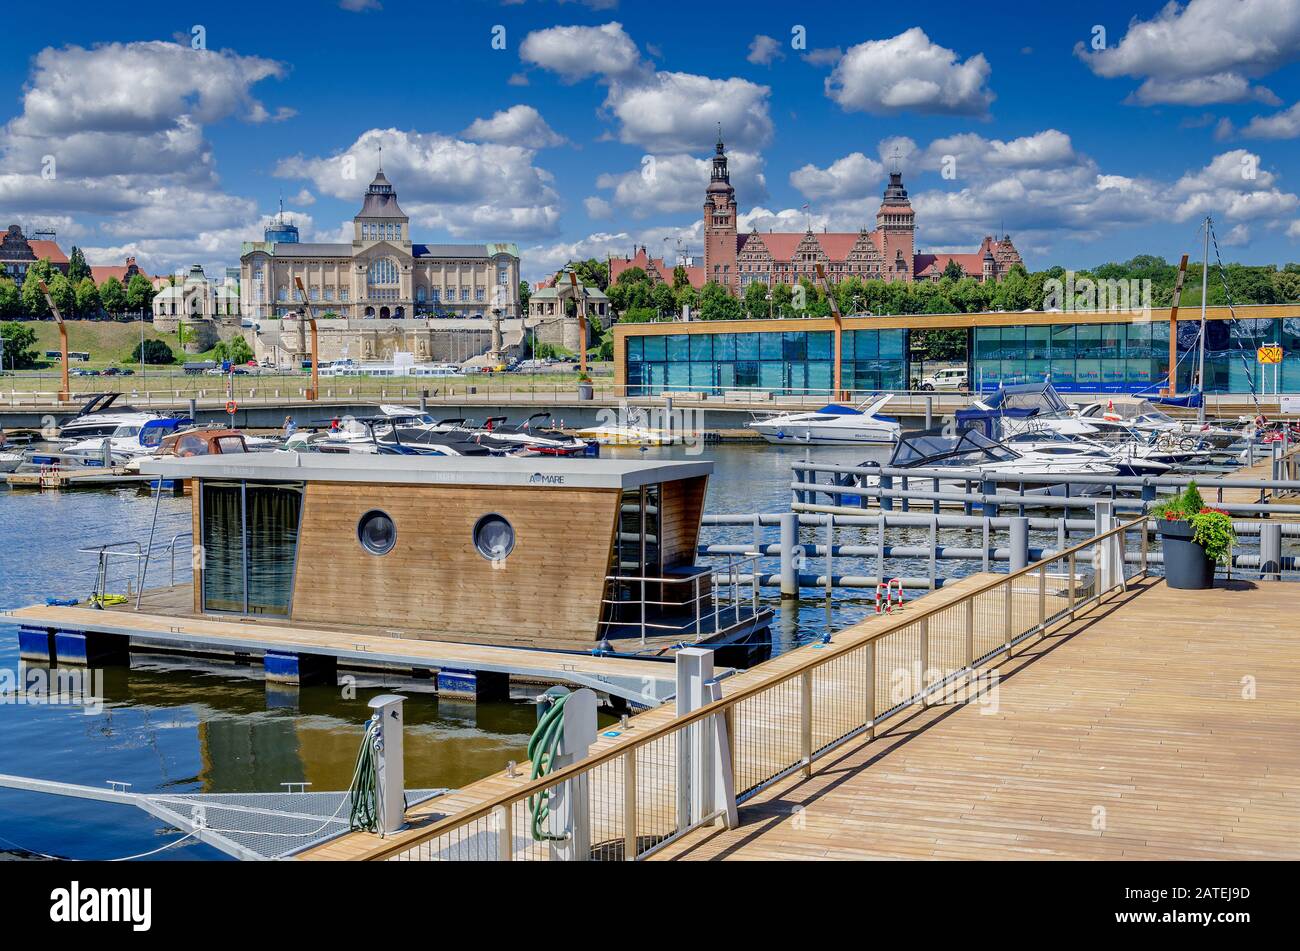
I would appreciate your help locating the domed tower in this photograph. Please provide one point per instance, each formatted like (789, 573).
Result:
(897, 226)
(380, 217)
(281, 231)
(720, 223)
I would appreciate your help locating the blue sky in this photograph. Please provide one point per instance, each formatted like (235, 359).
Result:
(1089, 132)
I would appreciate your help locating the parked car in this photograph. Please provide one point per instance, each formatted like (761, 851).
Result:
(953, 378)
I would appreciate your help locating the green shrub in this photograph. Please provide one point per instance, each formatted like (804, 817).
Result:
(1212, 528)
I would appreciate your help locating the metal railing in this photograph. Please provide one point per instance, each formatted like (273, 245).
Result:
(638, 794)
(930, 489)
(106, 555)
(714, 592)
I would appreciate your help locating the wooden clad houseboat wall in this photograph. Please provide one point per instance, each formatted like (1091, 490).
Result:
(683, 507)
(434, 584)
(295, 539)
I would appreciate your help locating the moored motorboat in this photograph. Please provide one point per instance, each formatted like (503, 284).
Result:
(832, 425)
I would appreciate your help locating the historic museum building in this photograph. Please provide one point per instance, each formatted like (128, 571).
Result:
(888, 253)
(382, 273)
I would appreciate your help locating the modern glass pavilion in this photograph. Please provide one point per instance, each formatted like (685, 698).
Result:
(1081, 352)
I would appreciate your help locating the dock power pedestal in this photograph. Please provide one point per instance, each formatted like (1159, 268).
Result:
(390, 764)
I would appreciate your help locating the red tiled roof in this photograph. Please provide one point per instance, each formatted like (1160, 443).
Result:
(48, 249)
(695, 274)
(99, 273)
(972, 264)
(837, 245)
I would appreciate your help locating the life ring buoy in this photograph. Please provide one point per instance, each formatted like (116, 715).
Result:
(231, 407)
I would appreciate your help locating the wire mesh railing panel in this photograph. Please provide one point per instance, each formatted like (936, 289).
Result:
(839, 698)
(605, 803)
(767, 739)
(947, 636)
(1057, 586)
(901, 667)
(990, 621)
(475, 841)
(658, 796)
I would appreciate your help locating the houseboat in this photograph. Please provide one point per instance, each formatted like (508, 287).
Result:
(578, 554)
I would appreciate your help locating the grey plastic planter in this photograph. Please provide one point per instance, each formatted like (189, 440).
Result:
(1186, 565)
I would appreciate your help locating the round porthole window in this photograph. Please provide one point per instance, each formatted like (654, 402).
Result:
(494, 537)
(376, 532)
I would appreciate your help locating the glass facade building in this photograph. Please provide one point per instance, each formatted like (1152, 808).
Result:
(791, 361)
(1130, 358)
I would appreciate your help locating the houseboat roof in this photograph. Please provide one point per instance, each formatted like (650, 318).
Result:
(428, 470)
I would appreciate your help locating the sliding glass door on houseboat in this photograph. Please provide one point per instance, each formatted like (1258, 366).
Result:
(250, 546)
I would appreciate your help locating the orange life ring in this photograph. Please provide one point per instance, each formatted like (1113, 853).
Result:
(231, 407)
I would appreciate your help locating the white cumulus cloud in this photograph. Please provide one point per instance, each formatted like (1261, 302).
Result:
(910, 73)
(1207, 51)
(518, 125)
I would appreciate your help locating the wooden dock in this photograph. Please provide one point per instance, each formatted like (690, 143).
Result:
(1157, 724)
(356, 844)
(1160, 725)
(642, 681)
(91, 478)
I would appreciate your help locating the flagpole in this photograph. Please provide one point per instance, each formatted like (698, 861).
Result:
(1200, 359)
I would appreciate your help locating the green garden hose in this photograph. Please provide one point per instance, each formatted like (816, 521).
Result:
(363, 794)
(542, 748)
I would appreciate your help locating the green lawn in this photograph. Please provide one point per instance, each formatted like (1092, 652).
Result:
(109, 343)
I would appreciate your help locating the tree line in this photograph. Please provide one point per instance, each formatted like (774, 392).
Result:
(636, 299)
(75, 293)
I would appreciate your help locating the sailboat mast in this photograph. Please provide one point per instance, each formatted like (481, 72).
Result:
(1200, 358)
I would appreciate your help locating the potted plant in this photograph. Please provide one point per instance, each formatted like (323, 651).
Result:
(1195, 538)
(585, 389)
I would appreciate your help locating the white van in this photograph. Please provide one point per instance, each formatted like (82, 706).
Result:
(953, 378)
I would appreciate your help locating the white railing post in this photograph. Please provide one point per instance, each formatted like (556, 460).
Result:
(1103, 551)
(789, 542)
(503, 817)
(694, 670)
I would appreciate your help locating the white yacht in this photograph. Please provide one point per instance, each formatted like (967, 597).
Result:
(970, 451)
(832, 425)
(1146, 418)
(128, 441)
(98, 417)
(1130, 459)
(1028, 407)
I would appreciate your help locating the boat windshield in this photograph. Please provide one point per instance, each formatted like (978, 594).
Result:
(942, 447)
(1036, 399)
(1152, 414)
